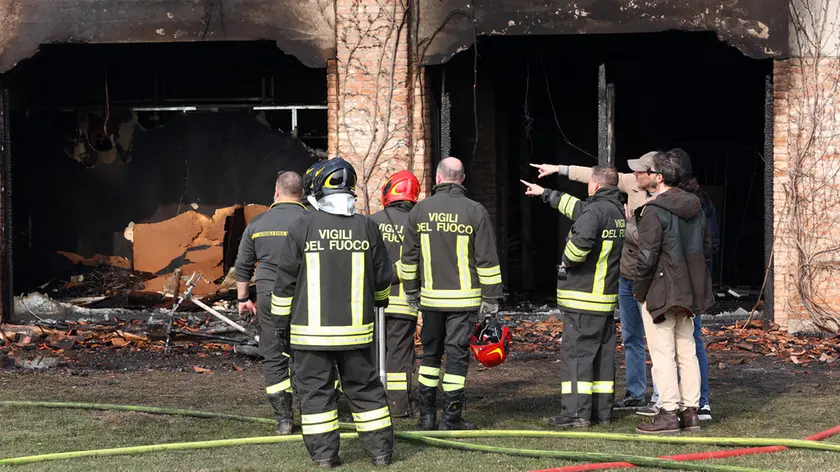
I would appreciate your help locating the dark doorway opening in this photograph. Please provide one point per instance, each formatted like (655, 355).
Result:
(536, 100)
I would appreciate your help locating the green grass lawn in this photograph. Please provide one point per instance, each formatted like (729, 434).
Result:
(757, 399)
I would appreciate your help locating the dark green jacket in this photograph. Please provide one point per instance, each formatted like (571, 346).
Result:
(674, 247)
(593, 250)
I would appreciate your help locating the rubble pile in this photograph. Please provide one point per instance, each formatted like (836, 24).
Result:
(545, 336)
(50, 344)
(799, 350)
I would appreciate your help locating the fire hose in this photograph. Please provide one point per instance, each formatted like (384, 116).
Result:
(432, 438)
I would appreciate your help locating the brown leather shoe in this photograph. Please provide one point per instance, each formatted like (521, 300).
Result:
(666, 422)
(689, 421)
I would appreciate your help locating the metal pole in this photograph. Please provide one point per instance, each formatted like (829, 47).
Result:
(380, 348)
(224, 318)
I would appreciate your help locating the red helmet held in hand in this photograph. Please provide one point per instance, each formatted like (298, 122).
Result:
(490, 344)
(401, 186)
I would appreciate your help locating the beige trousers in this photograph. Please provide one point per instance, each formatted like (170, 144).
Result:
(675, 370)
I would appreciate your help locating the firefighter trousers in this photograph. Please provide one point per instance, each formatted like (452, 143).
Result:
(315, 385)
(587, 368)
(273, 349)
(448, 332)
(399, 362)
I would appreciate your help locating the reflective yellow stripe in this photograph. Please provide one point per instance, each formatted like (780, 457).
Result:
(371, 415)
(280, 387)
(429, 376)
(313, 287)
(583, 388)
(586, 301)
(382, 294)
(425, 246)
(574, 253)
(432, 371)
(453, 382)
(396, 386)
(496, 279)
(325, 341)
(488, 271)
(399, 306)
(281, 306)
(565, 388)
(322, 428)
(319, 417)
(587, 306)
(408, 271)
(462, 250)
(338, 384)
(567, 204)
(601, 267)
(450, 298)
(373, 425)
(587, 297)
(603, 387)
(357, 288)
(450, 294)
(262, 234)
(451, 303)
(304, 330)
(396, 376)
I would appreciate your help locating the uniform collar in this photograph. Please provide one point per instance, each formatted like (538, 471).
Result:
(450, 188)
(286, 202)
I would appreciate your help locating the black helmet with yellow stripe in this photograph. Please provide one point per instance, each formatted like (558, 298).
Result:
(309, 177)
(334, 176)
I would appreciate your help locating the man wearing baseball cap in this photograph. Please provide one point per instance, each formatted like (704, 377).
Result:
(636, 187)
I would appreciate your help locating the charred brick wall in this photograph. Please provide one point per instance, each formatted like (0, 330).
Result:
(806, 199)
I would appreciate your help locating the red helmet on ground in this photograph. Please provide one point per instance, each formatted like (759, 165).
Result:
(401, 186)
(490, 343)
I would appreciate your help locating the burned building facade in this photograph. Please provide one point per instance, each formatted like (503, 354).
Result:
(118, 116)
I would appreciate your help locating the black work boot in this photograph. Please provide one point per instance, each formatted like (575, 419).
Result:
(328, 463)
(282, 404)
(382, 460)
(665, 422)
(450, 418)
(569, 422)
(428, 407)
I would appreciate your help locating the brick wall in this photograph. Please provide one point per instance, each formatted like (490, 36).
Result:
(375, 98)
(806, 163)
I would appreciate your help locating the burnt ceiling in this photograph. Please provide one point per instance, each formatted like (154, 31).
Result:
(759, 28)
(305, 30)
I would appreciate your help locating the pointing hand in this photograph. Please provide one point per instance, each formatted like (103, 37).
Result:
(546, 169)
(532, 190)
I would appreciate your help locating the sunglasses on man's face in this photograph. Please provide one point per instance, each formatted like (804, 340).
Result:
(651, 171)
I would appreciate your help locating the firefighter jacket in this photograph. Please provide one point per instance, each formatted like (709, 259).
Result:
(449, 252)
(333, 270)
(261, 243)
(593, 250)
(392, 222)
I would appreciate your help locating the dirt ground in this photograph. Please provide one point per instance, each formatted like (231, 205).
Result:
(752, 396)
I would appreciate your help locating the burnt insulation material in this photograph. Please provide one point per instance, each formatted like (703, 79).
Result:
(212, 160)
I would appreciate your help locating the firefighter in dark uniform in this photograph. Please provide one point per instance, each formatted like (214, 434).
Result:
(450, 268)
(334, 270)
(399, 194)
(261, 244)
(587, 291)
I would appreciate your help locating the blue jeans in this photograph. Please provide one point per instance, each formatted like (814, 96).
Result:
(633, 338)
(702, 359)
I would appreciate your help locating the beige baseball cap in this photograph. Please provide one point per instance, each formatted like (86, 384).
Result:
(642, 164)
